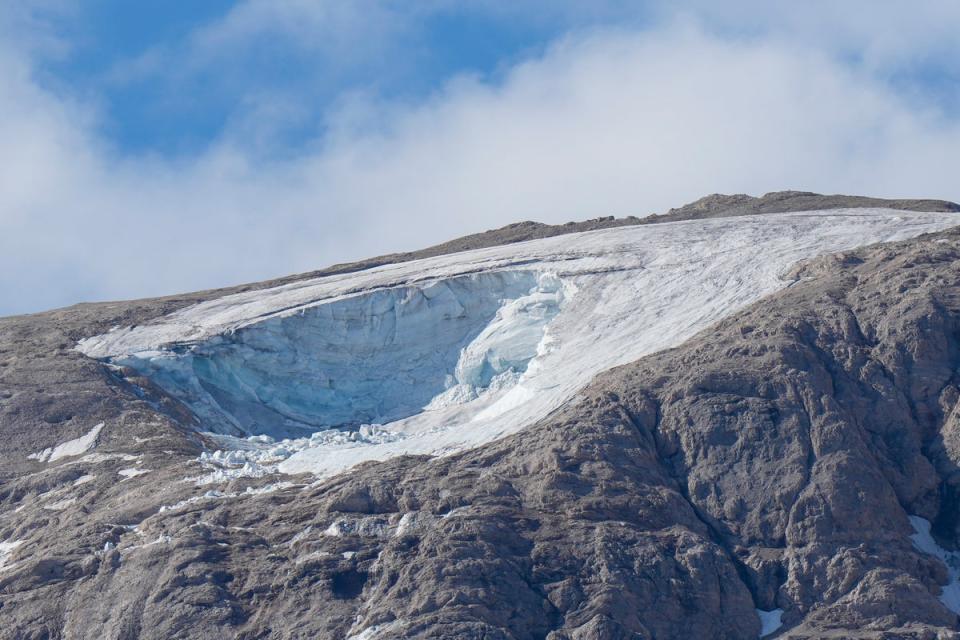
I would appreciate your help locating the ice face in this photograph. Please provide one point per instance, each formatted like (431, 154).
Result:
(770, 621)
(924, 541)
(374, 357)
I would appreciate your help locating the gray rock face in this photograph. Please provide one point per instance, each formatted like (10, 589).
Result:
(769, 463)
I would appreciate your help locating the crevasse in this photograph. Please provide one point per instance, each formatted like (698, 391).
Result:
(373, 357)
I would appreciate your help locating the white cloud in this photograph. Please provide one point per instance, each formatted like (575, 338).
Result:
(882, 35)
(604, 123)
(314, 24)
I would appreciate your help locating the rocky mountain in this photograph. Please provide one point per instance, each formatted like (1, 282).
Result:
(735, 420)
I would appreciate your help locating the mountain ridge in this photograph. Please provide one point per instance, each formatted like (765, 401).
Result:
(711, 206)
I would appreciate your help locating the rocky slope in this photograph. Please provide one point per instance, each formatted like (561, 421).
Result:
(770, 463)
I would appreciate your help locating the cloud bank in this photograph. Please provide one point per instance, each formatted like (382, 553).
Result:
(606, 121)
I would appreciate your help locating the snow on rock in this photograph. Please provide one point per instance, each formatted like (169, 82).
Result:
(259, 456)
(74, 447)
(84, 479)
(132, 472)
(414, 522)
(95, 458)
(769, 621)
(7, 549)
(378, 631)
(451, 352)
(923, 541)
(214, 494)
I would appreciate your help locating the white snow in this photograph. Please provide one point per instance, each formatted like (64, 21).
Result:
(452, 352)
(923, 541)
(259, 456)
(377, 631)
(74, 447)
(7, 549)
(132, 472)
(413, 522)
(215, 494)
(93, 458)
(769, 621)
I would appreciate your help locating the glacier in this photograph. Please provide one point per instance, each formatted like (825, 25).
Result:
(368, 358)
(446, 353)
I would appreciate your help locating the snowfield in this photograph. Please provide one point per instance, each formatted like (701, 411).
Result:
(438, 355)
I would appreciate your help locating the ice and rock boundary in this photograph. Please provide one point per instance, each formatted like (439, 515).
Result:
(451, 352)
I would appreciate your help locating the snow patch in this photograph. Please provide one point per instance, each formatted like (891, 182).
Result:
(769, 621)
(213, 494)
(413, 522)
(163, 538)
(923, 541)
(454, 513)
(94, 458)
(377, 631)
(7, 549)
(75, 447)
(313, 555)
(261, 455)
(132, 472)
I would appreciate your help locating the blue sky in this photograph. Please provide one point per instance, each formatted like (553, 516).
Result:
(156, 147)
(160, 87)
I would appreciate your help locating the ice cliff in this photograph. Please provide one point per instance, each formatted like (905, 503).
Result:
(372, 357)
(458, 350)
